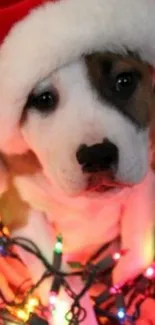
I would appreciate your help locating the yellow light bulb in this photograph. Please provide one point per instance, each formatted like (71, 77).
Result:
(33, 301)
(22, 315)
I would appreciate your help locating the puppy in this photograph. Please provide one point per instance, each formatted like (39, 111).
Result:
(79, 163)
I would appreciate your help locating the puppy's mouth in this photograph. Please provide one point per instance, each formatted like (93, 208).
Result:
(101, 182)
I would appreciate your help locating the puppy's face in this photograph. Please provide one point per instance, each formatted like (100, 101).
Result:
(88, 123)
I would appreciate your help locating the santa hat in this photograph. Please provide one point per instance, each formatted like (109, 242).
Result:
(39, 36)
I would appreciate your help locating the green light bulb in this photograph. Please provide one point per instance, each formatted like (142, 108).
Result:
(58, 245)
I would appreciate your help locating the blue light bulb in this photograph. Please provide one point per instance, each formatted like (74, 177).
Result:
(2, 251)
(121, 313)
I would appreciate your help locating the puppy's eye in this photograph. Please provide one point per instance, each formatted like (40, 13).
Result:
(45, 102)
(126, 84)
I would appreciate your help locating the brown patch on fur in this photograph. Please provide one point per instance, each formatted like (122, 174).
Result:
(103, 70)
(13, 210)
(23, 164)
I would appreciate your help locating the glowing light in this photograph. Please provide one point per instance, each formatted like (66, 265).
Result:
(117, 256)
(121, 313)
(150, 272)
(53, 298)
(62, 308)
(33, 301)
(113, 290)
(58, 245)
(2, 251)
(22, 315)
(5, 231)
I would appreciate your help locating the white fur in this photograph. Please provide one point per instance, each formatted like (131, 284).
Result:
(54, 34)
(81, 118)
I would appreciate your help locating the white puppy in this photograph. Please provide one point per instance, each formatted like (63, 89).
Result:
(76, 96)
(84, 137)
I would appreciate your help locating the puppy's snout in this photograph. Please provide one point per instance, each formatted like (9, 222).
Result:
(99, 157)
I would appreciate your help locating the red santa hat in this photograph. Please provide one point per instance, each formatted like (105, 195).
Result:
(39, 36)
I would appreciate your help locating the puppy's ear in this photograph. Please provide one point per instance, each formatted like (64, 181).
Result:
(4, 175)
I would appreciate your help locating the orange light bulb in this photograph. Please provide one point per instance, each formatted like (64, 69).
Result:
(5, 231)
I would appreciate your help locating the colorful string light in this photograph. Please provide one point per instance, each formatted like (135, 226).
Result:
(121, 313)
(56, 282)
(58, 246)
(59, 305)
(23, 312)
(150, 272)
(117, 256)
(120, 305)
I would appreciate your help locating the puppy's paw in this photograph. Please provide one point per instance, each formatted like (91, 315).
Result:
(13, 274)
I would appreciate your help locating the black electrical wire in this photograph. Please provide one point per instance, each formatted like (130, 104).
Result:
(77, 313)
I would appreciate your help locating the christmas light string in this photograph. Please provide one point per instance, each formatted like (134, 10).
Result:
(26, 308)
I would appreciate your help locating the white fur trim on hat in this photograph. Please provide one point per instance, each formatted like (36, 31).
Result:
(54, 34)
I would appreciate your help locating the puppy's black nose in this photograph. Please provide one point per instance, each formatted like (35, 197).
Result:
(99, 157)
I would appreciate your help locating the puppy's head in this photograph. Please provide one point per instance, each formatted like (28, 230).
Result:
(88, 123)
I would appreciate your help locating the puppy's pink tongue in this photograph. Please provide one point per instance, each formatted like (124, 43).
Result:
(102, 179)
